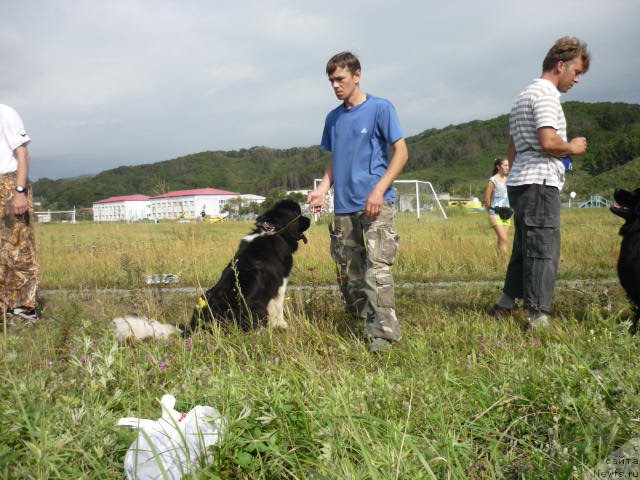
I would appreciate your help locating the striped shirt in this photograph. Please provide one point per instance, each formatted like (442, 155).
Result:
(536, 106)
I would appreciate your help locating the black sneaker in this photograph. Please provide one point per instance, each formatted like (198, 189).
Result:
(30, 316)
(497, 311)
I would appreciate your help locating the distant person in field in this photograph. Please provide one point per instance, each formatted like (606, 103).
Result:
(363, 242)
(18, 269)
(496, 198)
(537, 143)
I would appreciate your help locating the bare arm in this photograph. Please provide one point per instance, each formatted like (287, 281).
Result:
(511, 151)
(487, 195)
(317, 195)
(19, 202)
(554, 145)
(398, 161)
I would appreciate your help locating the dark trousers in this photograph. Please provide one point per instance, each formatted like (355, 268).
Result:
(533, 267)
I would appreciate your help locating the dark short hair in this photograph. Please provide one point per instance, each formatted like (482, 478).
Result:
(342, 60)
(566, 49)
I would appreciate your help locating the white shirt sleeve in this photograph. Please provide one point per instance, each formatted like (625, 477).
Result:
(13, 129)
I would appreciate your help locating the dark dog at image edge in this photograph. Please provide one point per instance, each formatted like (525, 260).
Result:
(627, 206)
(250, 292)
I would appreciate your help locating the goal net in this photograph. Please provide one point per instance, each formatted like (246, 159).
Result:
(418, 199)
(60, 216)
(415, 200)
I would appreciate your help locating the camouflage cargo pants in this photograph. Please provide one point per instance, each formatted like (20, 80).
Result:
(364, 249)
(18, 268)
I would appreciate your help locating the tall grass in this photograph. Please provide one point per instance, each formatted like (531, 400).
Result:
(89, 255)
(461, 396)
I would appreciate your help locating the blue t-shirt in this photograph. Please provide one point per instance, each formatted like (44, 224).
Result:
(358, 139)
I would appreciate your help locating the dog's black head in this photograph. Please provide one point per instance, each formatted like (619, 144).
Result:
(627, 206)
(284, 218)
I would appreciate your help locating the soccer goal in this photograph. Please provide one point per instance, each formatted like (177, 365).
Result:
(418, 197)
(415, 197)
(62, 216)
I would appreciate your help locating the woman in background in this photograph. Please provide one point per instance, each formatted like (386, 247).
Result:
(495, 195)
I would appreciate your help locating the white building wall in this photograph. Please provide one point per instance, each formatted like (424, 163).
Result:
(212, 203)
(121, 211)
(188, 206)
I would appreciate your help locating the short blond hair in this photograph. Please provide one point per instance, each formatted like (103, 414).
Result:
(566, 49)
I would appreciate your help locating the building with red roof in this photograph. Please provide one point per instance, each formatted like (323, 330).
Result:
(189, 203)
(170, 205)
(124, 208)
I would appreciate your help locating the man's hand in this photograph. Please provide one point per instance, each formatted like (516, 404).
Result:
(373, 204)
(554, 145)
(315, 199)
(19, 203)
(578, 145)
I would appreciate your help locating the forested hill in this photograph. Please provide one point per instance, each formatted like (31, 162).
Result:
(456, 159)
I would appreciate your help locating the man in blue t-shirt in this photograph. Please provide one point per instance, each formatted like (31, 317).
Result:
(363, 242)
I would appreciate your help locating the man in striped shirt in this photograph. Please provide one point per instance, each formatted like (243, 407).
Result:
(537, 142)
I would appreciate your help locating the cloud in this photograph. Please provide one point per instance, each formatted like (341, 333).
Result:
(102, 84)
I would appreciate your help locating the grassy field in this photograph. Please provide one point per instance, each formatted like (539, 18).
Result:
(462, 395)
(89, 256)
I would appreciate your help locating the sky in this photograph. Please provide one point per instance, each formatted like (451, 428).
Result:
(100, 84)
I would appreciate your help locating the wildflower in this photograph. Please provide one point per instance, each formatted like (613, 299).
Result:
(163, 365)
(50, 363)
(82, 359)
(187, 342)
(468, 366)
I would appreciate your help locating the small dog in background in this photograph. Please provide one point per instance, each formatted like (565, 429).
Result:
(250, 291)
(627, 206)
(140, 328)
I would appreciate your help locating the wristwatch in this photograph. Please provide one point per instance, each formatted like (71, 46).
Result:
(21, 188)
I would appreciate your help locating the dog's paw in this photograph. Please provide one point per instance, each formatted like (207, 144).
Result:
(279, 323)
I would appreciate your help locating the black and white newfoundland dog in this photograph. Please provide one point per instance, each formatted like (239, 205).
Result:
(250, 292)
(627, 206)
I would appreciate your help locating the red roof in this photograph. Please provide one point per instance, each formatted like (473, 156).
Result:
(124, 198)
(196, 191)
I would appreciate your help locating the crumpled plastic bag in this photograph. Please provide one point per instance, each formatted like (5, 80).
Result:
(173, 445)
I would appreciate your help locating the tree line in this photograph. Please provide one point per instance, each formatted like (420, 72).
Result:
(456, 158)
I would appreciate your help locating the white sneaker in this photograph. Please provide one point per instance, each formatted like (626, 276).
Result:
(30, 316)
(538, 319)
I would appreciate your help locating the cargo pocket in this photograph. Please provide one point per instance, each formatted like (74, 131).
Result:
(542, 207)
(540, 242)
(385, 246)
(384, 290)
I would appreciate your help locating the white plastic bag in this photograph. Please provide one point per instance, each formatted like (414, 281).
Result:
(171, 446)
